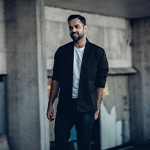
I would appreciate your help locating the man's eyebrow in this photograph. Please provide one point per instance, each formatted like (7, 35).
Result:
(74, 25)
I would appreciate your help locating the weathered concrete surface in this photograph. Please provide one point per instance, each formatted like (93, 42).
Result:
(111, 33)
(27, 80)
(115, 111)
(3, 68)
(140, 83)
(3, 142)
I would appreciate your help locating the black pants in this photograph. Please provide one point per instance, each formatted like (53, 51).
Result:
(83, 123)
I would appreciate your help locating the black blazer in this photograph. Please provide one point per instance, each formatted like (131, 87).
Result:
(93, 74)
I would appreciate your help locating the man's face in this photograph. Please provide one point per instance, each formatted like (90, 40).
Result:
(77, 29)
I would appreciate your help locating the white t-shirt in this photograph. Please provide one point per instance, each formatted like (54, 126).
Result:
(78, 54)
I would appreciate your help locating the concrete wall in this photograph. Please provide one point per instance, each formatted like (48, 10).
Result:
(140, 83)
(3, 68)
(113, 34)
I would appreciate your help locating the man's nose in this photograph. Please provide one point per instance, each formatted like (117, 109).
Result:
(74, 29)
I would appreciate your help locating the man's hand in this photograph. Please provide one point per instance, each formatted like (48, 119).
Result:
(53, 93)
(96, 115)
(50, 113)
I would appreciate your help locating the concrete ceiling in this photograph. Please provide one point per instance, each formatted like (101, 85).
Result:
(117, 8)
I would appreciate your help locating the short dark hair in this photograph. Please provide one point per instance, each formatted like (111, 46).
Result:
(81, 18)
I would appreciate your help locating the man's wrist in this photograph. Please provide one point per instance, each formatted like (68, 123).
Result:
(50, 105)
(97, 110)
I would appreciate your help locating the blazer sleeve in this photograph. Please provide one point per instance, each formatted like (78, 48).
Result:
(56, 67)
(102, 69)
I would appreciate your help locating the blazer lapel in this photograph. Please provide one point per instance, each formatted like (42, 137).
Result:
(86, 56)
(69, 61)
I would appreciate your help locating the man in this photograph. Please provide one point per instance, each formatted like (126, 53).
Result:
(80, 71)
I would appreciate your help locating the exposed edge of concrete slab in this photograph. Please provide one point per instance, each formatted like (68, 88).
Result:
(122, 71)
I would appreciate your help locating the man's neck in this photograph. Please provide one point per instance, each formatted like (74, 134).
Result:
(80, 43)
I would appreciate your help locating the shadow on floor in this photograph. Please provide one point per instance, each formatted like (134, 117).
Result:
(71, 146)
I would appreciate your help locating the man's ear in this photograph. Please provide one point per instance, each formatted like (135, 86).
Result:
(85, 28)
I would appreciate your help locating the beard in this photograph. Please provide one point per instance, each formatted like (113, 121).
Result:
(76, 39)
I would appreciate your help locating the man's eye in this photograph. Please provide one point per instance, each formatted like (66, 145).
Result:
(76, 26)
(70, 28)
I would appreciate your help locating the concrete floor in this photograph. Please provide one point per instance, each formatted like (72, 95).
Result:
(73, 146)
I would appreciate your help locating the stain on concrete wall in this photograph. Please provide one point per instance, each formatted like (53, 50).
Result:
(118, 97)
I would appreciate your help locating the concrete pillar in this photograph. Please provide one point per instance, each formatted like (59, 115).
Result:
(3, 66)
(28, 126)
(140, 83)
